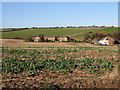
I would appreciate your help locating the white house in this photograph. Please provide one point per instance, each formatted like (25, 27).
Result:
(106, 41)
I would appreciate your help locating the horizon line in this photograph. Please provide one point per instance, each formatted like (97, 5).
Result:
(69, 26)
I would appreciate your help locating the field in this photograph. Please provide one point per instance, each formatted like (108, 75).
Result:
(59, 65)
(76, 33)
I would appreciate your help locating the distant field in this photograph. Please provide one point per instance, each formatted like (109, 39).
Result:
(76, 33)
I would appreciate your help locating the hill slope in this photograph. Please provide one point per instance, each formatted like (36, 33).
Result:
(76, 33)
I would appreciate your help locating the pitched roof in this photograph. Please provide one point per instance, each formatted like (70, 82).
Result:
(108, 37)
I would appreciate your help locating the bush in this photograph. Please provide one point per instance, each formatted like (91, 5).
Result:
(116, 35)
(29, 39)
(90, 36)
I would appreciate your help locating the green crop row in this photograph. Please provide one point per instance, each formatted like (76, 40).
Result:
(17, 66)
(51, 59)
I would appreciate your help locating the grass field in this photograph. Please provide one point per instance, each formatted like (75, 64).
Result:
(76, 33)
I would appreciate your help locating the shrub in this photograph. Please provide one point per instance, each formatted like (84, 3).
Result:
(90, 36)
(29, 39)
(116, 35)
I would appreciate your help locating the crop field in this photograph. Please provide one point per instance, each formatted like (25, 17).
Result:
(76, 33)
(60, 67)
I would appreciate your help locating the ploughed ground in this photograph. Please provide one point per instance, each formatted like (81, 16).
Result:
(78, 76)
(23, 43)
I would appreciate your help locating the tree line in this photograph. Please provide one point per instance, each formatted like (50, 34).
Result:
(13, 29)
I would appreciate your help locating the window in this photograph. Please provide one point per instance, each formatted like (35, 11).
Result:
(107, 39)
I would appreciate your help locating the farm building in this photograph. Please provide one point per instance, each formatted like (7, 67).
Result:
(36, 38)
(50, 38)
(63, 38)
(106, 41)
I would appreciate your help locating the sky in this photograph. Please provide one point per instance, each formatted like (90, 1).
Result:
(45, 14)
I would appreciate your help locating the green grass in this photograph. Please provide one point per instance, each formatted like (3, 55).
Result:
(110, 30)
(76, 33)
(32, 32)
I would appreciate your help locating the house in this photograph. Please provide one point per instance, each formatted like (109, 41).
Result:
(106, 41)
(50, 38)
(36, 38)
(63, 38)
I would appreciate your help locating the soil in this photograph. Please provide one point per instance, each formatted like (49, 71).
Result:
(76, 79)
(23, 43)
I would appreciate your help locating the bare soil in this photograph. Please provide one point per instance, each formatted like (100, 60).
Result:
(23, 43)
